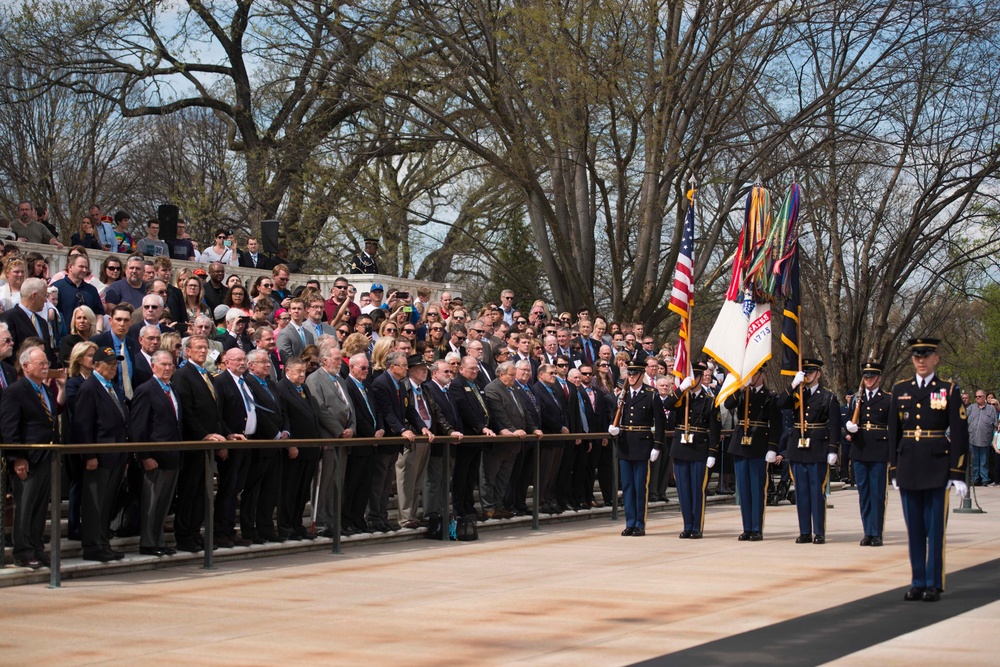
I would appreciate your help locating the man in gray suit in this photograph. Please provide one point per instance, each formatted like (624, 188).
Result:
(337, 419)
(204, 326)
(509, 415)
(295, 336)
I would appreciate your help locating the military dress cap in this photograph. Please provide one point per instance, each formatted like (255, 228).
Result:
(872, 367)
(921, 347)
(636, 367)
(810, 365)
(369, 239)
(698, 367)
(106, 354)
(416, 360)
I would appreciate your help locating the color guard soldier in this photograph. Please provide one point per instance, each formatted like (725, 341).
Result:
(928, 443)
(869, 438)
(364, 262)
(641, 427)
(811, 454)
(758, 428)
(694, 447)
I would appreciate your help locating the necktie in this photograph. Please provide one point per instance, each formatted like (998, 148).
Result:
(266, 388)
(482, 404)
(531, 395)
(319, 330)
(517, 403)
(208, 381)
(3, 379)
(302, 393)
(565, 388)
(364, 395)
(302, 335)
(45, 404)
(114, 397)
(422, 407)
(126, 373)
(590, 395)
(170, 397)
(583, 414)
(247, 401)
(38, 326)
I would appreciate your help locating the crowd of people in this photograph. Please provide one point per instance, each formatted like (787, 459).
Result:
(139, 352)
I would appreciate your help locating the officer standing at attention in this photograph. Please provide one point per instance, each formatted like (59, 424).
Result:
(641, 427)
(695, 446)
(928, 443)
(364, 261)
(758, 428)
(812, 448)
(868, 433)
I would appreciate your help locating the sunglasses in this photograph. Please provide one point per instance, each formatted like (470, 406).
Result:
(220, 237)
(437, 328)
(113, 268)
(390, 330)
(562, 365)
(409, 331)
(460, 338)
(266, 285)
(342, 331)
(521, 322)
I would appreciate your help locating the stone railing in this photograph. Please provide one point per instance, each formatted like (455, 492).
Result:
(56, 259)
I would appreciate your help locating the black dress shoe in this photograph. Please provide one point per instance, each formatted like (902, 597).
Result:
(271, 537)
(168, 551)
(756, 536)
(819, 539)
(326, 532)
(152, 551)
(866, 541)
(638, 532)
(31, 563)
(257, 539)
(804, 538)
(628, 532)
(744, 536)
(696, 535)
(685, 534)
(876, 542)
(914, 593)
(932, 595)
(224, 542)
(99, 556)
(304, 535)
(44, 560)
(191, 547)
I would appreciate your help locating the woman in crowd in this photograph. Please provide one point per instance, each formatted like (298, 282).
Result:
(601, 331)
(81, 365)
(36, 266)
(343, 331)
(425, 351)
(171, 342)
(261, 290)
(221, 251)
(82, 327)
(14, 272)
(435, 338)
(111, 270)
(237, 296)
(310, 355)
(85, 235)
(281, 320)
(194, 299)
(387, 328)
(383, 346)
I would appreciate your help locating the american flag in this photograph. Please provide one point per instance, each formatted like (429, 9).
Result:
(682, 295)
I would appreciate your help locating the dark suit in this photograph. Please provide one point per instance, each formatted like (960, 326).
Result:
(262, 488)
(99, 418)
(156, 417)
(583, 468)
(360, 460)
(135, 329)
(142, 372)
(507, 412)
(922, 463)
(242, 341)
(809, 461)
(436, 487)
(263, 260)
(23, 420)
(297, 473)
(232, 469)
(201, 418)
(471, 408)
(21, 328)
(566, 393)
(870, 456)
(602, 456)
(105, 340)
(553, 419)
(394, 406)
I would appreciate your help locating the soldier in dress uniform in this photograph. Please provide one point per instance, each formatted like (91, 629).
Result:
(869, 439)
(695, 446)
(641, 438)
(364, 262)
(758, 428)
(812, 452)
(928, 443)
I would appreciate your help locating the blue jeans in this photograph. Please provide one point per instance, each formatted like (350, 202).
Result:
(980, 464)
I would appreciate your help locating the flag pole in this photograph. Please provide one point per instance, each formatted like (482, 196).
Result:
(802, 405)
(687, 327)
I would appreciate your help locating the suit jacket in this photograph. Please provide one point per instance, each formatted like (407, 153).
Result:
(442, 399)
(551, 412)
(310, 326)
(133, 331)
(264, 261)
(23, 421)
(585, 344)
(21, 328)
(199, 404)
(229, 342)
(471, 411)
(302, 418)
(927, 461)
(271, 417)
(439, 425)
(530, 401)
(154, 420)
(9, 374)
(142, 372)
(506, 410)
(534, 366)
(397, 409)
(97, 419)
(367, 421)
(232, 403)
(289, 343)
(104, 340)
(333, 407)
(583, 399)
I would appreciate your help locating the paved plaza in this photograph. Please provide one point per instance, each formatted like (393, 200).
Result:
(569, 594)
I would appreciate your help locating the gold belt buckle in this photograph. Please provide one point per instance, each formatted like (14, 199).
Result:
(916, 436)
(868, 426)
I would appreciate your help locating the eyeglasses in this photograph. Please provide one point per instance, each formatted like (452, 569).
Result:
(478, 331)
(161, 292)
(602, 365)
(153, 306)
(363, 368)
(6, 340)
(284, 318)
(432, 313)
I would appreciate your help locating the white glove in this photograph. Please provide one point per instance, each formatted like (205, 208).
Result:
(799, 378)
(831, 459)
(851, 427)
(961, 489)
(614, 430)
(771, 457)
(654, 454)
(686, 384)
(710, 462)
(894, 485)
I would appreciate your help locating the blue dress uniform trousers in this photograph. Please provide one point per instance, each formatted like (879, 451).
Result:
(810, 502)
(926, 514)
(751, 487)
(635, 477)
(871, 478)
(692, 476)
